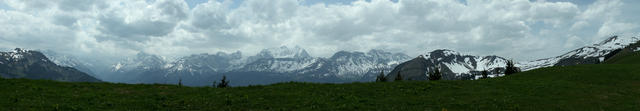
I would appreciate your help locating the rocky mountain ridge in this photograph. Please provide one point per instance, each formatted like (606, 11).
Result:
(30, 64)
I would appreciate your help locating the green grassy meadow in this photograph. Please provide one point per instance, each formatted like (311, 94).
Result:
(582, 87)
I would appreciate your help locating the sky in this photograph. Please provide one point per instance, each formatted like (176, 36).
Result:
(517, 29)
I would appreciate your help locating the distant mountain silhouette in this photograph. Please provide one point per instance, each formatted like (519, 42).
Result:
(34, 65)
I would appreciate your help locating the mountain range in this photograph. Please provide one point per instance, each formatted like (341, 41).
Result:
(35, 65)
(455, 66)
(282, 64)
(268, 66)
(592, 54)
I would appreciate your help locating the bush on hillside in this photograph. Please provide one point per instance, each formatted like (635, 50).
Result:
(224, 82)
(485, 74)
(381, 77)
(180, 82)
(510, 68)
(398, 77)
(435, 75)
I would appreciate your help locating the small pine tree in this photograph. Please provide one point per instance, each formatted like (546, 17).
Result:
(510, 68)
(224, 82)
(435, 75)
(180, 82)
(485, 74)
(381, 77)
(399, 76)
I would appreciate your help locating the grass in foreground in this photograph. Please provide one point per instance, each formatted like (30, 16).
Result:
(583, 87)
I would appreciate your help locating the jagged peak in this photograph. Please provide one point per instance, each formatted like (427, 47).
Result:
(347, 53)
(608, 40)
(20, 50)
(494, 57)
(443, 52)
(616, 41)
(19, 54)
(284, 52)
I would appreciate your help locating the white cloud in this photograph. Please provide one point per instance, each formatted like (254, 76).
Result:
(519, 29)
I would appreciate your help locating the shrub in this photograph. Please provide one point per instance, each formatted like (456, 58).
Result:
(435, 75)
(180, 82)
(485, 74)
(510, 68)
(398, 77)
(381, 77)
(224, 82)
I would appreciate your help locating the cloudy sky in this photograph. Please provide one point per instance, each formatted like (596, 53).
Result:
(518, 29)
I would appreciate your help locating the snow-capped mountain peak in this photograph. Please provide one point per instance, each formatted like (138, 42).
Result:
(464, 64)
(586, 55)
(70, 61)
(142, 61)
(16, 54)
(284, 52)
(218, 62)
(615, 42)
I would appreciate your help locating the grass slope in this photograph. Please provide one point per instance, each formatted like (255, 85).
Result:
(583, 87)
(624, 58)
(627, 55)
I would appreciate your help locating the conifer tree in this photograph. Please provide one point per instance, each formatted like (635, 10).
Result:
(436, 74)
(224, 82)
(398, 77)
(180, 82)
(510, 68)
(381, 77)
(485, 74)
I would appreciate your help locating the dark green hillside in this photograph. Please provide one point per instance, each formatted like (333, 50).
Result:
(582, 87)
(626, 58)
(627, 55)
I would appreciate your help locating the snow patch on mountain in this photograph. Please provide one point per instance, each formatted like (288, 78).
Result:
(14, 55)
(464, 64)
(356, 64)
(284, 52)
(280, 65)
(142, 61)
(598, 50)
(17, 53)
(67, 60)
(457, 68)
(548, 62)
(207, 63)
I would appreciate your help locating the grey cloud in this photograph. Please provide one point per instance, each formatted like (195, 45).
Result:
(136, 31)
(151, 24)
(32, 32)
(79, 5)
(210, 15)
(173, 8)
(521, 29)
(64, 20)
(266, 11)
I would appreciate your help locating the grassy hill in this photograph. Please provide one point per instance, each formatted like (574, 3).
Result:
(627, 55)
(582, 87)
